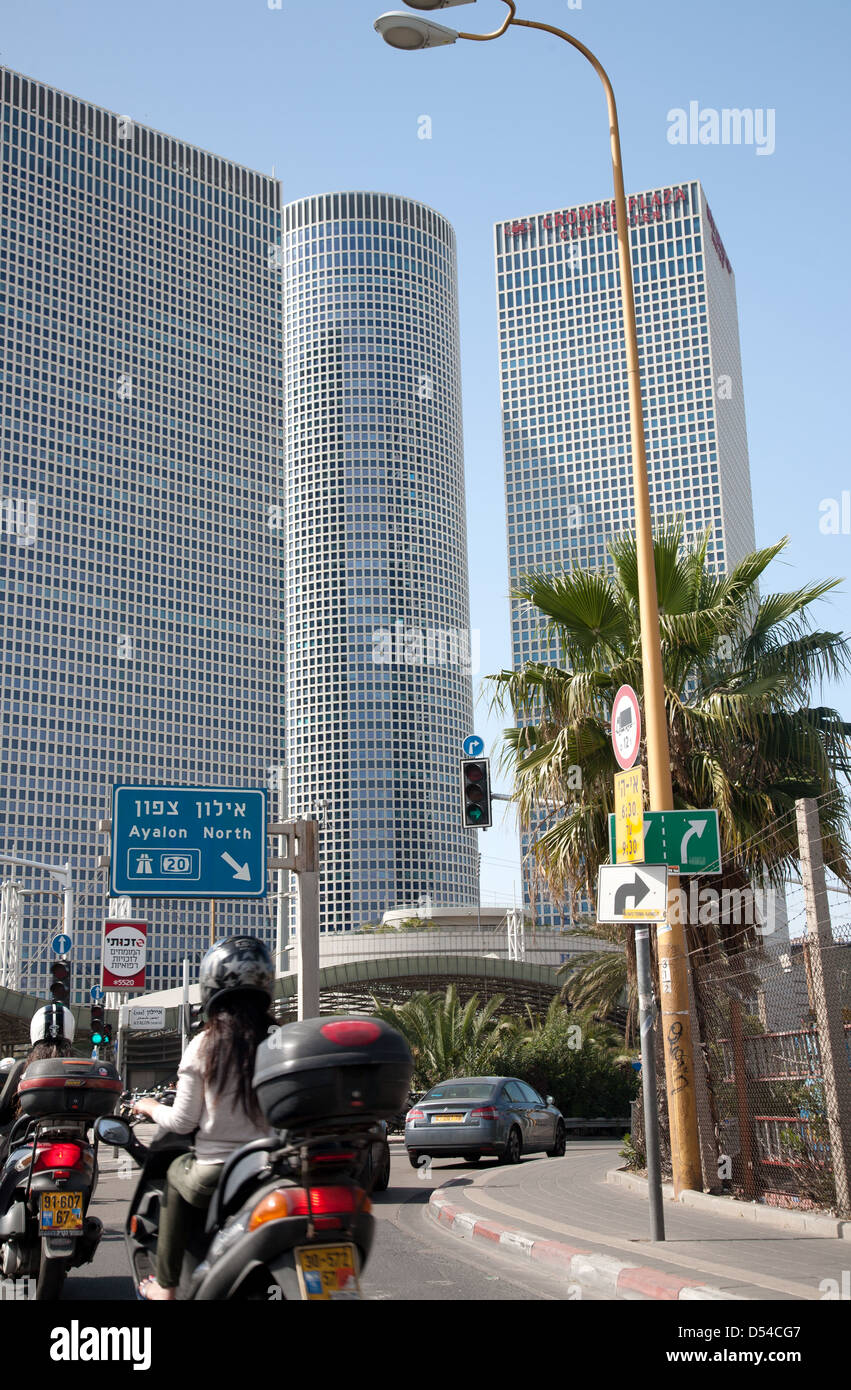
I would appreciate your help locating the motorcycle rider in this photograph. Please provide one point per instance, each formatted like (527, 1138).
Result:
(215, 1093)
(51, 1035)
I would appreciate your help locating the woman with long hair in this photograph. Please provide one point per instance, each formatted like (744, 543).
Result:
(215, 1094)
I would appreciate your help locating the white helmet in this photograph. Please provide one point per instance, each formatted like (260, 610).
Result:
(54, 1023)
(6, 1064)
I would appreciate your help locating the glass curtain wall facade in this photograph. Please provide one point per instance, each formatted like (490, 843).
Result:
(378, 649)
(140, 325)
(564, 394)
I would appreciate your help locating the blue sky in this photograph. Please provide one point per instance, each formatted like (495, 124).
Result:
(517, 126)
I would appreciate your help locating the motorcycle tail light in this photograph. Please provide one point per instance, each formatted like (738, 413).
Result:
(58, 1156)
(326, 1205)
(351, 1032)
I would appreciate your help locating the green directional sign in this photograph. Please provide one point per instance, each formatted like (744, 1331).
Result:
(687, 841)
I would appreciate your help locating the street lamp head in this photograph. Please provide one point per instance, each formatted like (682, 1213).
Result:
(436, 4)
(400, 30)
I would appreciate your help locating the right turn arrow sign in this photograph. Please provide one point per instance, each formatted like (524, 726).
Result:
(630, 893)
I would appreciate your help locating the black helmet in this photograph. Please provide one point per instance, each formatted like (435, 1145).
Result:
(237, 963)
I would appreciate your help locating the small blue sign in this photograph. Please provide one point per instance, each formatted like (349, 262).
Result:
(188, 842)
(474, 746)
(61, 945)
(96, 993)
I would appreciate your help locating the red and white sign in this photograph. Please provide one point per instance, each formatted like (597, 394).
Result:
(626, 726)
(123, 954)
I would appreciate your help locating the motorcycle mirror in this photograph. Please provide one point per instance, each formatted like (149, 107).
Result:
(111, 1130)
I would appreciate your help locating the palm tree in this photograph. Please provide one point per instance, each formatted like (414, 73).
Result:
(447, 1038)
(600, 983)
(739, 671)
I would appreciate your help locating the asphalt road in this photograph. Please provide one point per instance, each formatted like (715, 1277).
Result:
(412, 1258)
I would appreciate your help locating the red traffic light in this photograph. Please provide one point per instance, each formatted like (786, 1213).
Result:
(60, 975)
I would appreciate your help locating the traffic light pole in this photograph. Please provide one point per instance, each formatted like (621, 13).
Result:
(301, 856)
(62, 872)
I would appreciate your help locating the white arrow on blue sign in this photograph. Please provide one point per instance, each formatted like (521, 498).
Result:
(96, 993)
(473, 746)
(61, 945)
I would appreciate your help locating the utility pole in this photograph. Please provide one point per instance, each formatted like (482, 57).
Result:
(836, 1074)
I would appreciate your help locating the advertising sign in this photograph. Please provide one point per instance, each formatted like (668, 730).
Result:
(123, 954)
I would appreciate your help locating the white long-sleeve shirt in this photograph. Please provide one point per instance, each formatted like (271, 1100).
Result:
(222, 1123)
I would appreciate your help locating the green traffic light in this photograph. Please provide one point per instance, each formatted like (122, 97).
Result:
(97, 1037)
(475, 813)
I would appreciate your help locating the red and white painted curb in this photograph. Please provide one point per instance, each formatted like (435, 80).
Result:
(586, 1271)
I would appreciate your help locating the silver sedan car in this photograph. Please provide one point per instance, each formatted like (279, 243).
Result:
(471, 1116)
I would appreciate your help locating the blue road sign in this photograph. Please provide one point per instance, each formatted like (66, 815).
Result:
(188, 842)
(473, 746)
(61, 945)
(96, 993)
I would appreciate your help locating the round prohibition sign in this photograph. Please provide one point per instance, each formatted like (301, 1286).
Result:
(626, 726)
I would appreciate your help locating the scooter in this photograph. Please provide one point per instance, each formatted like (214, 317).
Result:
(49, 1173)
(287, 1220)
(291, 1217)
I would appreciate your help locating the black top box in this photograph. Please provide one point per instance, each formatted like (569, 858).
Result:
(323, 1071)
(69, 1086)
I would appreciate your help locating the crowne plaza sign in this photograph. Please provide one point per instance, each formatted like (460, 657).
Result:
(600, 217)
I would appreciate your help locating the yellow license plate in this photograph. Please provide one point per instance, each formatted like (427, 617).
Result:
(61, 1212)
(327, 1271)
(448, 1119)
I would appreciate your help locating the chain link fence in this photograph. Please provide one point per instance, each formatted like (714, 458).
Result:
(763, 1021)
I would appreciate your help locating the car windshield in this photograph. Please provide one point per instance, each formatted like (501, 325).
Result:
(461, 1090)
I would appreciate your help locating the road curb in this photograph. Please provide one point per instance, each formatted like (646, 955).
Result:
(805, 1223)
(586, 1271)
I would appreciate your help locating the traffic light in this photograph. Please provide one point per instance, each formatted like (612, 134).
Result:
(60, 976)
(476, 792)
(100, 1034)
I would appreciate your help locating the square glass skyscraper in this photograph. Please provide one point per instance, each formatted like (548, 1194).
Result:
(140, 330)
(564, 391)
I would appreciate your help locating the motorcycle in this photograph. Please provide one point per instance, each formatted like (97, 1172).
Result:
(49, 1172)
(290, 1218)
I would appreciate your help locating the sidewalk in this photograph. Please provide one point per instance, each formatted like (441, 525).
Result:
(565, 1216)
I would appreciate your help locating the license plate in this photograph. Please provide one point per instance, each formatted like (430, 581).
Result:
(327, 1271)
(448, 1119)
(61, 1212)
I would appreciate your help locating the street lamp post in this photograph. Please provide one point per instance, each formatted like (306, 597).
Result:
(406, 32)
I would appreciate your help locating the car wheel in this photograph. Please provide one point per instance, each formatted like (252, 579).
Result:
(557, 1151)
(472, 1158)
(382, 1181)
(513, 1147)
